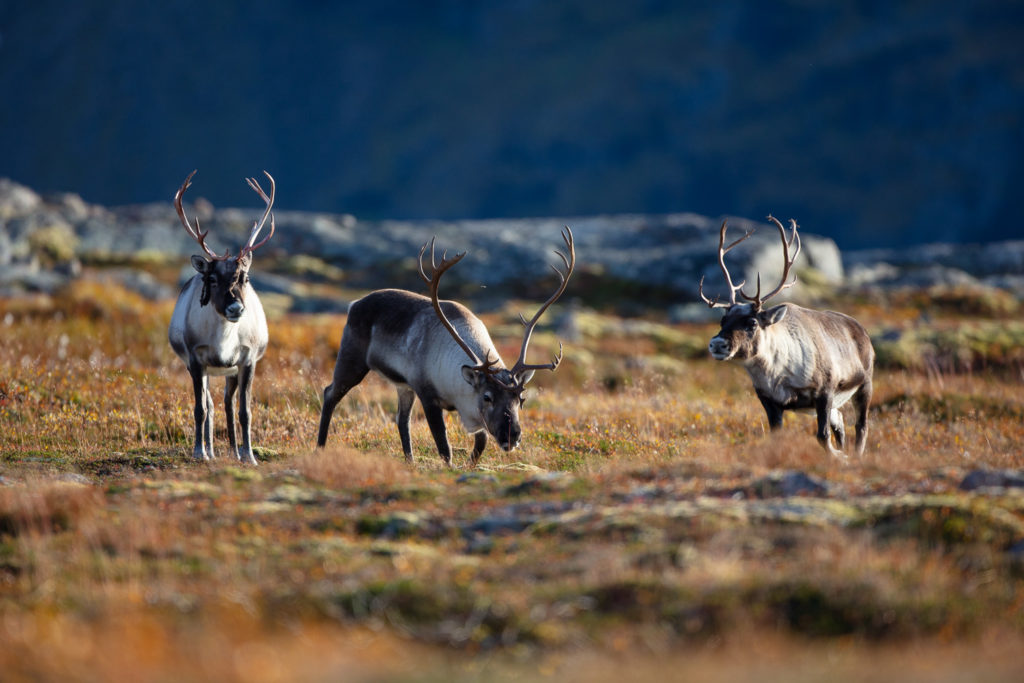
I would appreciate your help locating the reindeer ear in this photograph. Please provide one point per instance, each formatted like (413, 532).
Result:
(472, 375)
(200, 264)
(772, 315)
(524, 377)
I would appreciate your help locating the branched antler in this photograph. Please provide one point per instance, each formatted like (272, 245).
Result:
(196, 233)
(257, 226)
(722, 251)
(787, 264)
(569, 262)
(436, 271)
(199, 236)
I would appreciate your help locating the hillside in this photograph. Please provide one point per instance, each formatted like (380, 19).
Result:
(876, 124)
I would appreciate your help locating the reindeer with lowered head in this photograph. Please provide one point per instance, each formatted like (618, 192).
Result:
(440, 352)
(798, 358)
(218, 328)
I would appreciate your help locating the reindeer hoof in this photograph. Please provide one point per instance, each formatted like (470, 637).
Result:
(246, 458)
(840, 456)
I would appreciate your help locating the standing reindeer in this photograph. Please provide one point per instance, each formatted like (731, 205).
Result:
(422, 344)
(218, 328)
(798, 358)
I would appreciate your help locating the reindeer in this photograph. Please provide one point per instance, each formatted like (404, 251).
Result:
(218, 327)
(422, 345)
(798, 358)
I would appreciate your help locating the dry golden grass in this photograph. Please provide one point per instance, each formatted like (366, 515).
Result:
(636, 532)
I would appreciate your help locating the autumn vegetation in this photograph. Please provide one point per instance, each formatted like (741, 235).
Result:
(649, 527)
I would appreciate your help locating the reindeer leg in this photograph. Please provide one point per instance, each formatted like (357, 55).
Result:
(479, 442)
(230, 385)
(406, 396)
(772, 409)
(209, 429)
(245, 375)
(435, 420)
(823, 407)
(835, 422)
(199, 383)
(861, 399)
(349, 370)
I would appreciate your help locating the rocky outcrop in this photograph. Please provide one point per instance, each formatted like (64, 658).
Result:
(997, 264)
(45, 239)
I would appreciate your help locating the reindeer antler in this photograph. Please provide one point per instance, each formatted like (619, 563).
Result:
(722, 251)
(258, 225)
(196, 233)
(199, 236)
(432, 282)
(757, 300)
(569, 263)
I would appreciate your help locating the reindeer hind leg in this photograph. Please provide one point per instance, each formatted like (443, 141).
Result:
(349, 370)
(823, 408)
(835, 422)
(861, 399)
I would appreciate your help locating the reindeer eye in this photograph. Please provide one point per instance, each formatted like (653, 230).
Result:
(488, 398)
(752, 324)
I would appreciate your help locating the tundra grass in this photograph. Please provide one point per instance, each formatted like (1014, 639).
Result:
(648, 526)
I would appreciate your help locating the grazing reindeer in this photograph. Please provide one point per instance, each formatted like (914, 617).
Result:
(798, 358)
(218, 328)
(421, 344)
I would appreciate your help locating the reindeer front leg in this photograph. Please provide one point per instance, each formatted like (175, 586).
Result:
(406, 396)
(230, 386)
(203, 443)
(479, 442)
(435, 420)
(245, 375)
(772, 409)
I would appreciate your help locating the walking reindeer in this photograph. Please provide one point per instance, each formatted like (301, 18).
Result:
(422, 345)
(218, 328)
(798, 358)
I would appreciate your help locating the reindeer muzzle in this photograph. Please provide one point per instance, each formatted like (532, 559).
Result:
(719, 348)
(233, 312)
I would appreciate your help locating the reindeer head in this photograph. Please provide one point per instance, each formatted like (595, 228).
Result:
(499, 395)
(500, 392)
(224, 284)
(743, 324)
(226, 278)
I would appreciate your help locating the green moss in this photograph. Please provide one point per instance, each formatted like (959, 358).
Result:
(944, 520)
(54, 244)
(954, 349)
(950, 407)
(398, 524)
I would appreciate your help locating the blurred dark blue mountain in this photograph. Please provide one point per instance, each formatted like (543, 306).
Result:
(876, 123)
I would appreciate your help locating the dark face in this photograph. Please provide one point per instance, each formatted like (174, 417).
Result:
(499, 405)
(224, 284)
(742, 327)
